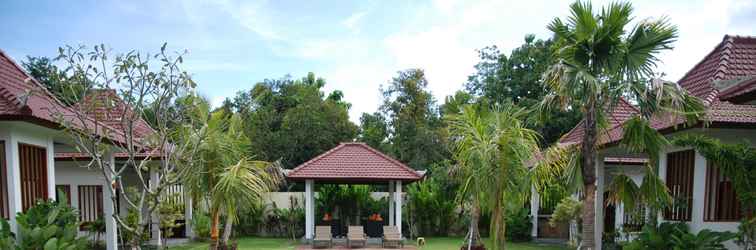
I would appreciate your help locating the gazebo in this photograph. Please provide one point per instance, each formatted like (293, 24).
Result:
(353, 163)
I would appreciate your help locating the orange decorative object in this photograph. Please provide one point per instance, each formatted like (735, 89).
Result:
(327, 217)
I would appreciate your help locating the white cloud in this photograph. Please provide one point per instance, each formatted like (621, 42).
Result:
(353, 20)
(360, 84)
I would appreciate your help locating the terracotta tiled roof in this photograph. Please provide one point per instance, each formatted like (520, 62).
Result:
(23, 98)
(67, 156)
(353, 161)
(108, 108)
(734, 57)
(733, 60)
(621, 112)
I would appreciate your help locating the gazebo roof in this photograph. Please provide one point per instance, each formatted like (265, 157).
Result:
(354, 162)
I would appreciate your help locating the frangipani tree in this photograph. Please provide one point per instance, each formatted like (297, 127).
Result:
(492, 149)
(598, 62)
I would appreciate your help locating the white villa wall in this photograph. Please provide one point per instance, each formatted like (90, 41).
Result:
(697, 222)
(604, 175)
(13, 133)
(281, 199)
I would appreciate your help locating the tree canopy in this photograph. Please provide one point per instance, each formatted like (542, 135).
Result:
(516, 78)
(292, 120)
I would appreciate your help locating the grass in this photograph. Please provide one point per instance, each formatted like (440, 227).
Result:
(451, 243)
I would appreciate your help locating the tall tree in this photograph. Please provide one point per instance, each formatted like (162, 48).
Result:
(53, 78)
(517, 79)
(374, 131)
(414, 120)
(222, 171)
(597, 62)
(492, 148)
(293, 120)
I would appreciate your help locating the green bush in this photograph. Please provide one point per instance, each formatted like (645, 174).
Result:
(518, 226)
(657, 238)
(7, 238)
(430, 195)
(49, 225)
(250, 219)
(566, 210)
(703, 240)
(201, 225)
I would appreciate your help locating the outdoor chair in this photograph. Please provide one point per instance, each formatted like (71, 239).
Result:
(323, 237)
(391, 237)
(356, 235)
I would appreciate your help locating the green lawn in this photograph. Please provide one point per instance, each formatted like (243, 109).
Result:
(431, 243)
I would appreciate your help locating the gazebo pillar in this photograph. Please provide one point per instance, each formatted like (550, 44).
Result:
(391, 202)
(398, 200)
(309, 209)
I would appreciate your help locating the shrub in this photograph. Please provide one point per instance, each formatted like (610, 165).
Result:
(704, 240)
(7, 238)
(201, 225)
(518, 226)
(567, 210)
(657, 238)
(250, 219)
(49, 225)
(425, 196)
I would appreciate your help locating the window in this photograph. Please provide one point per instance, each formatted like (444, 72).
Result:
(3, 183)
(65, 191)
(721, 203)
(680, 167)
(33, 164)
(90, 203)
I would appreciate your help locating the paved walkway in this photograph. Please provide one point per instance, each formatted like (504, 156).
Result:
(369, 247)
(372, 244)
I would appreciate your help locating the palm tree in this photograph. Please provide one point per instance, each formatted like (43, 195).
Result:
(223, 172)
(598, 62)
(492, 148)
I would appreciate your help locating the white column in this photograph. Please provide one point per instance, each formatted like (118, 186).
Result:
(391, 202)
(535, 202)
(188, 215)
(51, 192)
(599, 205)
(309, 210)
(398, 200)
(111, 228)
(699, 187)
(619, 217)
(14, 180)
(155, 235)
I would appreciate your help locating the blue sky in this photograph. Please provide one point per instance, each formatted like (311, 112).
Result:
(355, 45)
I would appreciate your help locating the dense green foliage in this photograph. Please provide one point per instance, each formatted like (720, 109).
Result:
(48, 225)
(430, 195)
(492, 148)
(413, 118)
(53, 78)
(292, 120)
(676, 236)
(517, 79)
(519, 225)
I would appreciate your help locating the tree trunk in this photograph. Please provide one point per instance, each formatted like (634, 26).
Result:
(588, 153)
(589, 218)
(227, 230)
(474, 233)
(214, 226)
(498, 223)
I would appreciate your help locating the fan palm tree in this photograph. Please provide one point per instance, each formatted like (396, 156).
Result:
(492, 148)
(598, 62)
(223, 172)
